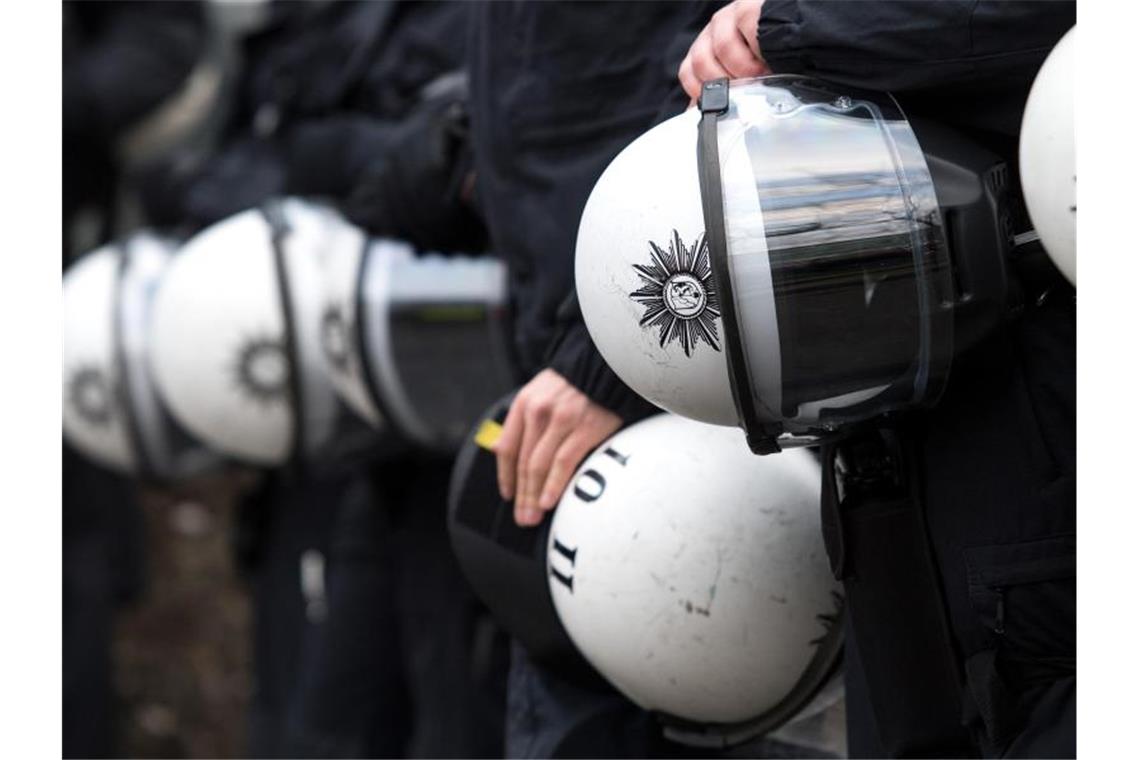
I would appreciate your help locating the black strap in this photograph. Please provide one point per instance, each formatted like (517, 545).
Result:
(876, 537)
(713, 104)
(147, 468)
(278, 231)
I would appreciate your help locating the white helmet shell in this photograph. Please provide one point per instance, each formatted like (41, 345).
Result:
(641, 262)
(1049, 158)
(223, 355)
(691, 573)
(804, 300)
(94, 418)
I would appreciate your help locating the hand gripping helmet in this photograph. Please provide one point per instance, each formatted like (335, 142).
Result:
(417, 340)
(690, 575)
(111, 410)
(780, 258)
(236, 334)
(1048, 154)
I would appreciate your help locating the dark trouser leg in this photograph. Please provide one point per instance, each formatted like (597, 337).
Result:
(102, 567)
(296, 514)
(454, 668)
(352, 700)
(862, 733)
(548, 717)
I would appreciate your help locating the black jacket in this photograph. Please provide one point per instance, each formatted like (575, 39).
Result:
(965, 63)
(329, 104)
(997, 455)
(120, 61)
(558, 89)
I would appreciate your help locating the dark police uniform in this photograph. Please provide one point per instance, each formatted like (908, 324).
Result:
(996, 459)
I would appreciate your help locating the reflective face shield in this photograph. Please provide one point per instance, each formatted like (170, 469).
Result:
(430, 339)
(828, 255)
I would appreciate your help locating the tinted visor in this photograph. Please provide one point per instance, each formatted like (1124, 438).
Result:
(833, 244)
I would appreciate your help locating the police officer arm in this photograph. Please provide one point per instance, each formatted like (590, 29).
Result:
(899, 46)
(559, 417)
(138, 55)
(408, 178)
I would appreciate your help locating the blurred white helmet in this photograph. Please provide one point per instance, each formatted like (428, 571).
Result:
(776, 258)
(417, 340)
(693, 576)
(1049, 155)
(111, 411)
(237, 332)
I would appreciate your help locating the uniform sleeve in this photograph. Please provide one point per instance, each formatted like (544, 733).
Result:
(908, 45)
(327, 156)
(142, 55)
(574, 356)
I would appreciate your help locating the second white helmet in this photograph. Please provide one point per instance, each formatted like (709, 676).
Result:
(237, 332)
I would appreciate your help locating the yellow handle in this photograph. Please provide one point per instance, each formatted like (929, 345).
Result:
(488, 434)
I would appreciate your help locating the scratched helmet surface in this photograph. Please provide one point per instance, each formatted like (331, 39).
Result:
(693, 575)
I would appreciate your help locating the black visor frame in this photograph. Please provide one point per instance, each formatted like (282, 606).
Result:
(713, 104)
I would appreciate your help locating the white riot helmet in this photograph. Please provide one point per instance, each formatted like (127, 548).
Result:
(237, 333)
(111, 410)
(693, 576)
(417, 340)
(1048, 155)
(778, 258)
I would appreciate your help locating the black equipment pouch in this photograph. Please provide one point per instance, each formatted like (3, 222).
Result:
(505, 564)
(875, 531)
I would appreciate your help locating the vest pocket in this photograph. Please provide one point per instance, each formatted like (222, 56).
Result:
(1024, 596)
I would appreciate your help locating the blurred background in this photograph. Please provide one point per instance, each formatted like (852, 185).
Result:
(182, 673)
(157, 620)
(195, 597)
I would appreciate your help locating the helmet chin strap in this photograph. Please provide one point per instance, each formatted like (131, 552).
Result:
(278, 230)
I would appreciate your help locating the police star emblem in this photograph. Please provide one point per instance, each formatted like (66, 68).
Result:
(91, 395)
(261, 371)
(678, 295)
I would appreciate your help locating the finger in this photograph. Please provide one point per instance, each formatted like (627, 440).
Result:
(566, 409)
(595, 427)
(537, 415)
(746, 26)
(570, 454)
(688, 79)
(731, 49)
(538, 467)
(507, 447)
(705, 66)
(566, 417)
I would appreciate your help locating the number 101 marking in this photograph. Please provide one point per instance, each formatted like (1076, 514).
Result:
(589, 487)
